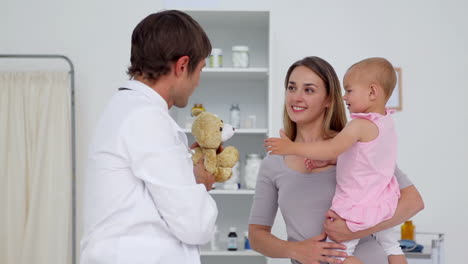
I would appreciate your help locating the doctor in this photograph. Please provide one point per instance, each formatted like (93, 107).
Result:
(144, 201)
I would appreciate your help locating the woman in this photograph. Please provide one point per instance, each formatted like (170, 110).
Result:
(313, 111)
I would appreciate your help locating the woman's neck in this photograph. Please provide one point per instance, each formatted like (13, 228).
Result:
(309, 132)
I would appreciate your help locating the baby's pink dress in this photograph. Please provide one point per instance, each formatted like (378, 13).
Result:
(367, 192)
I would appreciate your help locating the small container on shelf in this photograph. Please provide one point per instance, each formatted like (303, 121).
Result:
(233, 183)
(232, 239)
(246, 241)
(240, 56)
(234, 115)
(407, 231)
(252, 166)
(216, 58)
(250, 122)
(215, 240)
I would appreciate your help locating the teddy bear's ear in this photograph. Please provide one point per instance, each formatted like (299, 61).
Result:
(196, 111)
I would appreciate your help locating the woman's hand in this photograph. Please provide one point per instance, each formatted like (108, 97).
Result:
(312, 250)
(336, 229)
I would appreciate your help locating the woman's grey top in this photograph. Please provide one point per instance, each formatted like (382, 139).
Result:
(303, 199)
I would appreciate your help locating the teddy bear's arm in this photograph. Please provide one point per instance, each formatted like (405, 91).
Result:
(210, 160)
(228, 157)
(197, 155)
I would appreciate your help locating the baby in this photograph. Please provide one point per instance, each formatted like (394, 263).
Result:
(367, 192)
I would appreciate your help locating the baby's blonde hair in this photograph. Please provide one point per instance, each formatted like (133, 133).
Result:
(378, 70)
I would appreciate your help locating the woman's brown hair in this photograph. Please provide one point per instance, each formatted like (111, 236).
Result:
(335, 117)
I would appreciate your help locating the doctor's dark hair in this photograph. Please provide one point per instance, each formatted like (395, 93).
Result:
(161, 39)
(335, 116)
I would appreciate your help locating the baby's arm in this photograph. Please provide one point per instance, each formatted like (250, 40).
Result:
(321, 150)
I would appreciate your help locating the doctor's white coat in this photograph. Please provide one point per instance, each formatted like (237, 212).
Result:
(141, 201)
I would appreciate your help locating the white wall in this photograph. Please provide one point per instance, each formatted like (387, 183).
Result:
(428, 39)
(425, 38)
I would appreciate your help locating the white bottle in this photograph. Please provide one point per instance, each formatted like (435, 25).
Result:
(234, 182)
(216, 58)
(214, 239)
(235, 116)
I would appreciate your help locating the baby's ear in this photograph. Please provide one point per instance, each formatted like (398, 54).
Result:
(374, 91)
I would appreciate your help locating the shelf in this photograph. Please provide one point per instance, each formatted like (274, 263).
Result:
(222, 19)
(243, 131)
(415, 255)
(231, 253)
(260, 71)
(234, 74)
(241, 191)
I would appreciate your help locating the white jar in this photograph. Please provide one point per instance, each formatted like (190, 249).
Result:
(216, 58)
(252, 166)
(240, 56)
(234, 182)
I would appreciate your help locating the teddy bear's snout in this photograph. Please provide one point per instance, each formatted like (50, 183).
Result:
(227, 132)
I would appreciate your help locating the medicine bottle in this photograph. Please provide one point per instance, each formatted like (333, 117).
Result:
(407, 230)
(216, 58)
(232, 239)
(235, 116)
(246, 241)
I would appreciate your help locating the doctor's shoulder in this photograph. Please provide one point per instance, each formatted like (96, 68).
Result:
(148, 122)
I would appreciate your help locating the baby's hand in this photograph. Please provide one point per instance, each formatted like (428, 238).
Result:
(279, 146)
(313, 164)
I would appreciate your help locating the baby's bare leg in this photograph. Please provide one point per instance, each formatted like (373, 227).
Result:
(397, 259)
(352, 260)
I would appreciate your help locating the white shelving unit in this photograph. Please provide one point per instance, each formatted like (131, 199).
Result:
(231, 253)
(234, 192)
(218, 89)
(250, 74)
(234, 207)
(433, 251)
(241, 131)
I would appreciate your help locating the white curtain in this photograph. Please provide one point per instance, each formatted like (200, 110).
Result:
(35, 168)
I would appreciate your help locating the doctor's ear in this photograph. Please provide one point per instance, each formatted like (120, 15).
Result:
(181, 65)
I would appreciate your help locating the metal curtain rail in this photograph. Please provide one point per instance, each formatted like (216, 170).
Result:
(73, 139)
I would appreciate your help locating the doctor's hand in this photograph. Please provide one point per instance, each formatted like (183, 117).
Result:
(203, 176)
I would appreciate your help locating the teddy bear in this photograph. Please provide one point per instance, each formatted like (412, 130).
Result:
(209, 132)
